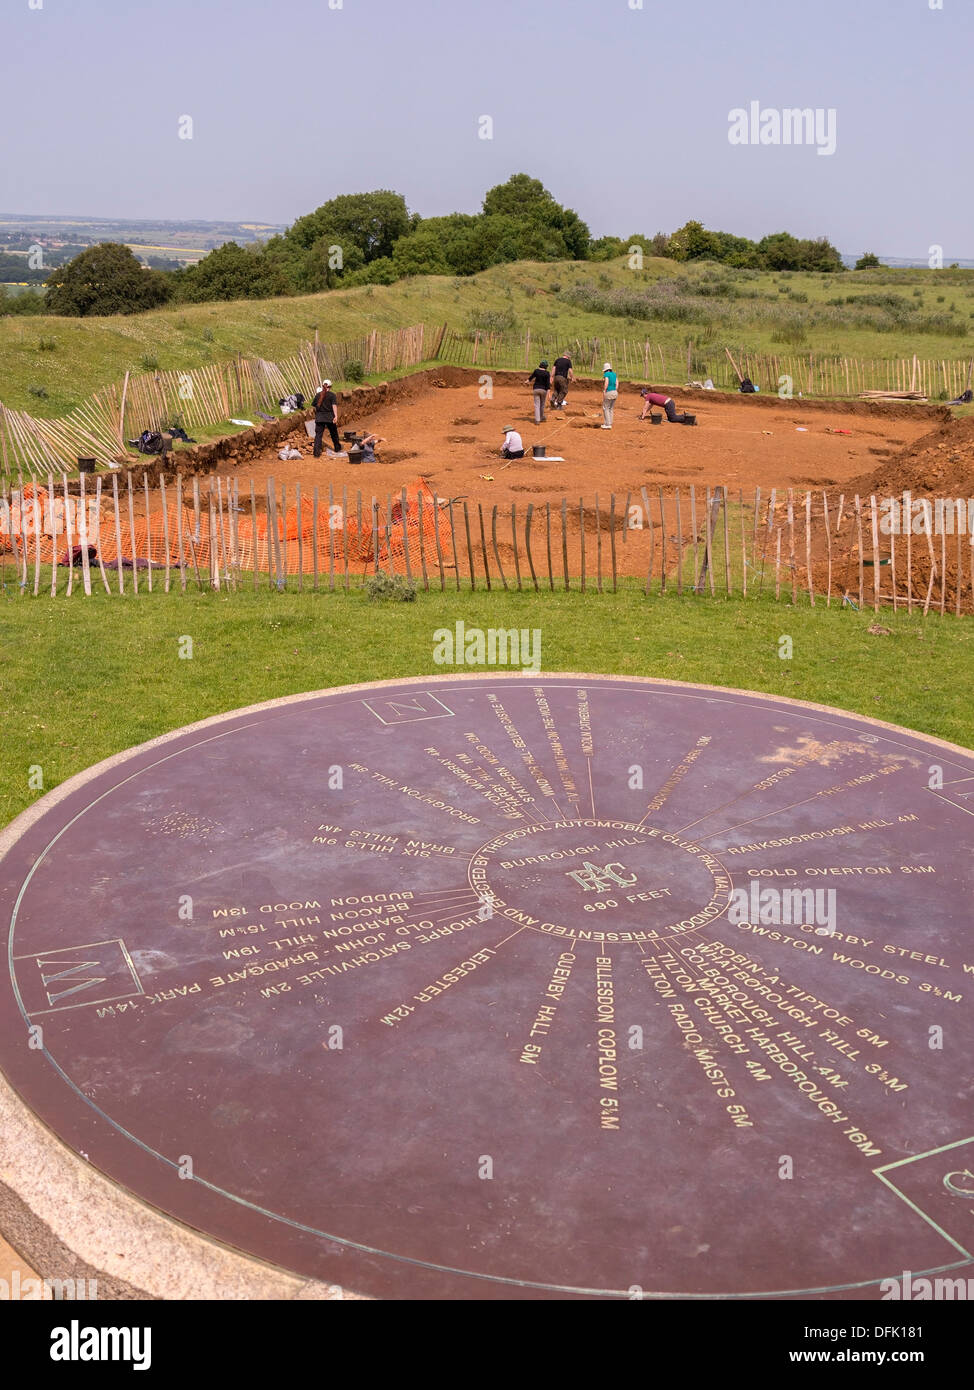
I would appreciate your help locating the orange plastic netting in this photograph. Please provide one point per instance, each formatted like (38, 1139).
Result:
(219, 539)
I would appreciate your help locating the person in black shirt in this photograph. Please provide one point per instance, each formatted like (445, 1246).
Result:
(325, 406)
(540, 381)
(563, 375)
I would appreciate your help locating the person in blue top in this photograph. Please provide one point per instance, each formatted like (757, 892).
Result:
(610, 393)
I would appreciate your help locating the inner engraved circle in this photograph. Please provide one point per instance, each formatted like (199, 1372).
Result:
(600, 880)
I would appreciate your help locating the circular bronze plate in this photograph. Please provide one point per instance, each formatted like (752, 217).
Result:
(530, 986)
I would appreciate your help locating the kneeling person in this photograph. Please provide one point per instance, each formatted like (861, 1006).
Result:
(513, 446)
(652, 398)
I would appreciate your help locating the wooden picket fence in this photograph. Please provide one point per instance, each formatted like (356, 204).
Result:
(710, 541)
(201, 397)
(813, 373)
(196, 398)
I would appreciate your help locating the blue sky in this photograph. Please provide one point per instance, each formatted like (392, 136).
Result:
(623, 113)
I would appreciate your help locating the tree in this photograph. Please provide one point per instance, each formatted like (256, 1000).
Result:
(373, 222)
(819, 255)
(780, 251)
(692, 241)
(870, 261)
(105, 279)
(424, 252)
(526, 200)
(232, 272)
(607, 248)
(520, 196)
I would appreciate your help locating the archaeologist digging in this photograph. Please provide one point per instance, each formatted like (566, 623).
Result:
(513, 446)
(652, 397)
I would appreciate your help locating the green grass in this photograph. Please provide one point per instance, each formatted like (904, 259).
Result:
(79, 685)
(735, 308)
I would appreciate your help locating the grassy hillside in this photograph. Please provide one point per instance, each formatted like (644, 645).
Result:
(895, 313)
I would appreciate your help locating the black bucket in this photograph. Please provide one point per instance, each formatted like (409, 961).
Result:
(655, 419)
(86, 465)
(355, 454)
(689, 419)
(350, 435)
(538, 450)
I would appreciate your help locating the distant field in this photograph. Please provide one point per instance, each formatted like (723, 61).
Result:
(897, 313)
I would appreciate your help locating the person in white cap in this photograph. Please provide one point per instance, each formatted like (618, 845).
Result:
(513, 446)
(325, 406)
(610, 393)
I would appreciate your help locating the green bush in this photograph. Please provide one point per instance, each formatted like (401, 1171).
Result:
(149, 363)
(353, 370)
(46, 344)
(390, 588)
(492, 321)
(39, 391)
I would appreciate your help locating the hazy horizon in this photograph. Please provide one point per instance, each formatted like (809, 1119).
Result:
(623, 116)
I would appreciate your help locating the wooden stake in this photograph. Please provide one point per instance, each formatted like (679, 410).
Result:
(598, 545)
(493, 534)
(874, 530)
(828, 547)
(694, 533)
(345, 534)
(253, 540)
(649, 523)
(564, 538)
(37, 542)
(612, 537)
(148, 533)
(331, 538)
(453, 542)
(405, 536)
(527, 543)
(727, 569)
(581, 532)
(315, 538)
(858, 506)
(439, 548)
(297, 501)
(662, 518)
(551, 574)
(466, 522)
(517, 565)
(165, 527)
(135, 566)
(777, 567)
(68, 531)
(422, 543)
(483, 546)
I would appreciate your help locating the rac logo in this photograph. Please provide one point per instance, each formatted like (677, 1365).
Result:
(591, 879)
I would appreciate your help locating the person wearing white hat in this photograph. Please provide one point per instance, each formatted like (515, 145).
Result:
(325, 406)
(513, 446)
(610, 394)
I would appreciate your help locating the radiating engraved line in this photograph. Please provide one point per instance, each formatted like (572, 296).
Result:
(663, 784)
(775, 811)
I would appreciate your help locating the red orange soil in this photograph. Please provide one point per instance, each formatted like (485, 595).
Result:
(452, 437)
